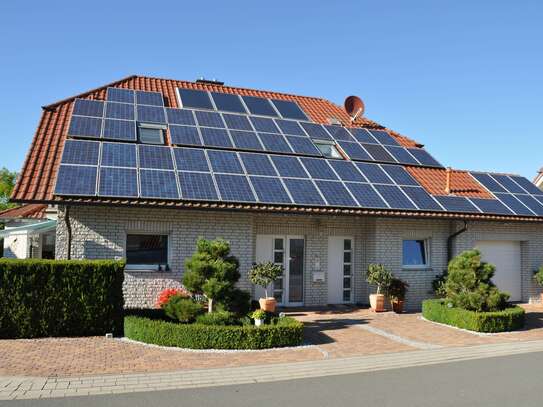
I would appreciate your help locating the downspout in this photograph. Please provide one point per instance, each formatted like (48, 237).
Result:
(451, 238)
(69, 230)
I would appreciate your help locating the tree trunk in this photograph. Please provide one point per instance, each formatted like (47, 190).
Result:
(210, 305)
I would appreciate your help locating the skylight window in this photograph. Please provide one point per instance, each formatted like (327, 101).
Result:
(151, 134)
(327, 148)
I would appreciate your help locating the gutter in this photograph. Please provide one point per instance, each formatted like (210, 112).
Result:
(451, 238)
(69, 232)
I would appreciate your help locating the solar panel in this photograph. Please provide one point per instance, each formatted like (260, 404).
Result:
(394, 196)
(85, 127)
(158, 184)
(491, 206)
(424, 157)
(365, 195)
(124, 130)
(318, 168)
(246, 140)
(335, 193)
(314, 130)
(149, 98)
(195, 98)
(185, 135)
(421, 198)
(227, 102)
(119, 155)
(539, 198)
(531, 203)
(190, 159)
(151, 114)
(346, 170)
(289, 109)
(401, 155)
(119, 111)
(303, 145)
(156, 157)
(265, 125)
(275, 142)
(80, 152)
(270, 190)
(399, 175)
(303, 192)
(456, 204)
(289, 166)
(234, 188)
(259, 106)
(180, 116)
(209, 119)
(354, 151)
(118, 182)
(87, 107)
(508, 184)
(362, 135)
(374, 173)
(290, 127)
(489, 182)
(339, 133)
(527, 185)
(120, 95)
(514, 204)
(257, 164)
(224, 161)
(384, 138)
(197, 185)
(378, 152)
(76, 180)
(215, 137)
(237, 122)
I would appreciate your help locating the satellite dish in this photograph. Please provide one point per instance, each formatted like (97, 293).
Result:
(354, 107)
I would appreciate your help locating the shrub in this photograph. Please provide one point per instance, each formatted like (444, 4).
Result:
(218, 318)
(237, 301)
(439, 310)
(539, 276)
(40, 298)
(377, 274)
(397, 289)
(259, 314)
(468, 284)
(182, 309)
(263, 274)
(283, 332)
(437, 284)
(165, 295)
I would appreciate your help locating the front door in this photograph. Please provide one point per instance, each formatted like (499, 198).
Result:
(340, 269)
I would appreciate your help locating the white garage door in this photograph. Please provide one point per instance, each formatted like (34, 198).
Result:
(505, 256)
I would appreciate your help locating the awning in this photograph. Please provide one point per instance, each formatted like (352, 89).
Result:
(34, 228)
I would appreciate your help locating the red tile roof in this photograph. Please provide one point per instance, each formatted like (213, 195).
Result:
(32, 211)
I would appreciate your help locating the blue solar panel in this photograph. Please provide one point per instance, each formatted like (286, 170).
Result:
(234, 188)
(265, 125)
(318, 168)
(489, 182)
(246, 140)
(401, 155)
(303, 145)
(151, 114)
(149, 98)
(85, 127)
(119, 155)
(190, 159)
(224, 161)
(317, 131)
(237, 122)
(227, 102)
(185, 135)
(158, 184)
(155, 157)
(118, 182)
(335, 193)
(527, 185)
(120, 130)
(365, 195)
(257, 164)
(339, 133)
(394, 197)
(421, 198)
(76, 180)
(270, 190)
(374, 173)
(197, 185)
(531, 203)
(80, 152)
(259, 106)
(384, 138)
(346, 170)
(514, 204)
(195, 98)
(491, 206)
(539, 198)
(209, 119)
(362, 135)
(120, 95)
(508, 184)
(303, 192)
(119, 111)
(456, 204)
(424, 157)
(274, 142)
(180, 116)
(86, 107)
(378, 153)
(290, 127)
(289, 166)
(354, 151)
(215, 137)
(289, 109)
(400, 175)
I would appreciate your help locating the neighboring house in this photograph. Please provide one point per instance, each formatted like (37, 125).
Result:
(539, 179)
(142, 167)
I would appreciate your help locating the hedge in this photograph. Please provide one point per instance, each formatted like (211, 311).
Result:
(509, 319)
(44, 298)
(287, 332)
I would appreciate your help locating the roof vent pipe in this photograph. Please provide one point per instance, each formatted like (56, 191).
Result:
(448, 181)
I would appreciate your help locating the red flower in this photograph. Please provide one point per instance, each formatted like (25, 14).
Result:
(165, 295)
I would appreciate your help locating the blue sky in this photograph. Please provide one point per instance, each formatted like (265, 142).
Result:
(463, 77)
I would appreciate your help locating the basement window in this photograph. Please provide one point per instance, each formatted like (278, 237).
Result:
(327, 148)
(415, 253)
(147, 252)
(151, 134)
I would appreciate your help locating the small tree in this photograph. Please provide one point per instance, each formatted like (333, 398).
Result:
(211, 271)
(539, 276)
(263, 274)
(377, 274)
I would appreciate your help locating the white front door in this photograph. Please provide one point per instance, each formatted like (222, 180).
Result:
(340, 269)
(505, 255)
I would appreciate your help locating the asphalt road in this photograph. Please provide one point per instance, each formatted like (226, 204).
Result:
(505, 381)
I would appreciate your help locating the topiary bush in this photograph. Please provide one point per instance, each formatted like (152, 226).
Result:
(218, 318)
(377, 274)
(263, 274)
(182, 309)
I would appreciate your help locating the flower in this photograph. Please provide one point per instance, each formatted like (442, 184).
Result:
(166, 294)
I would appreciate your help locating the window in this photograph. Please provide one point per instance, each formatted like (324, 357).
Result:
(279, 259)
(151, 134)
(327, 148)
(48, 246)
(347, 269)
(147, 249)
(415, 253)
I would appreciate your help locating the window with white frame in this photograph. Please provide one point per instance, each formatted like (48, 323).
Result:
(151, 134)
(416, 253)
(279, 259)
(147, 251)
(347, 270)
(327, 148)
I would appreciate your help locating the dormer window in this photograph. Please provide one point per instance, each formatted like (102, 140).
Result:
(151, 133)
(327, 148)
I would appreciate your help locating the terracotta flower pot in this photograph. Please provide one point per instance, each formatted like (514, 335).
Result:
(377, 302)
(397, 306)
(267, 304)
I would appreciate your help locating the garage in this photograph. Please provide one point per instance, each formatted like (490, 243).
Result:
(505, 255)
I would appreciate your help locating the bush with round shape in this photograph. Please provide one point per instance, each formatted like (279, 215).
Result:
(165, 295)
(263, 274)
(182, 309)
(377, 274)
(222, 318)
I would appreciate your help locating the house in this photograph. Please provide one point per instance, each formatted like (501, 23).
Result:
(142, 167)
(538, 181)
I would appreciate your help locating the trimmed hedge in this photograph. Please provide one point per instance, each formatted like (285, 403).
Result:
(286, 332)
(43, 298)
(509, 319)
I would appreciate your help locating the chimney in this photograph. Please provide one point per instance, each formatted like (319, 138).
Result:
(448, 182)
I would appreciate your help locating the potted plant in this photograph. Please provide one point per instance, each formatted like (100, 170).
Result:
(259, 316)
(377, 274)
(539, 279)
(263, 274)
(396, 294)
